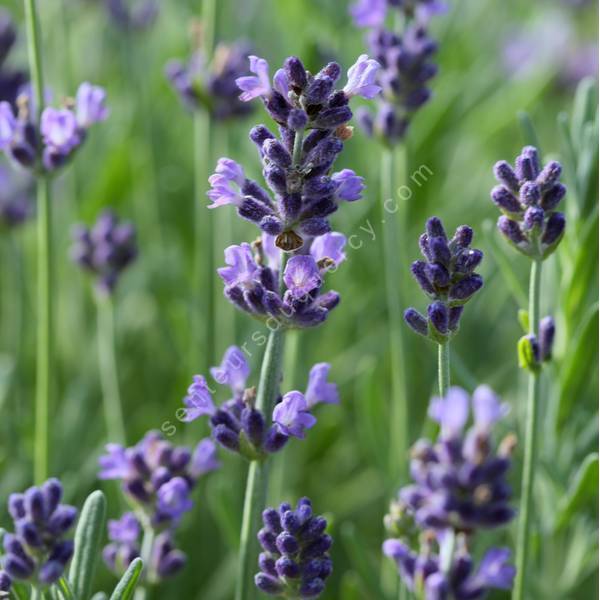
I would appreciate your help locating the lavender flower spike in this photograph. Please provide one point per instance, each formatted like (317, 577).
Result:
(295, 560)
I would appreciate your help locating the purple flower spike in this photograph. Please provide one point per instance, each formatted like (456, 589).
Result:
(361, 78)
(331, 245)
(318, 388)
(242, 269)
(233, 371)
(301, 276)
(349, 185)
(90, 105)
(253, 87)
(292, 416)
(198, 400)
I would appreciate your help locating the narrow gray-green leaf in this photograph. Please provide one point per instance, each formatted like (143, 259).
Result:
(126, 587)
(88, 536)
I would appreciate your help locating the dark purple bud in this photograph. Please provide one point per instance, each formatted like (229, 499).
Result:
(278, 107)
(160, 476)
(50, 572)
(296, 73)
(297, 119)
(438, 316)
(555, 227)
(267, 540)
(287, 567)
(546, 338)
(465, 288)
(416, 321)
(550, 174)
(62, 519)
(16, 567)
(530, 193)
(317, 548)
(253, 211)
(419, 271)
(28, 532)
(290, 205)
(463, 236)
(504, 174)
(438, 247)
(533, 218)
(271, 225)
(434, 228)
(52, 492)
(331, 70)
(511, 230)
(275, 151)
(268, 584)
(424, 246)
(417, 98)
(287, 543)
(275, 440)
(318, 91)
(5, 582)
(267, 564)
(552, 197)
(331, 118)
(259, 135)
(139, 463)
(325, 152)
(276, 179)
(437, 275)
(16, 506)
(319, 187)
(171, 563)
(329, 300)
(532, 154)
(524, 168)
(180, 458)
(253, 424)
(454, 315)
(137, 490)
(226, 437)
(272, 520)
(34, 504)
(505, 200)
(314, 226)
(314, 529)
(290, 521)
(312, 588)
(467, 261)
(62, 552)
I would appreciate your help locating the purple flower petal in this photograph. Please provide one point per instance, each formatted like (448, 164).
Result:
(253, 87)
(241, 267)
(226, 183)
(451, 412)
(125, 530)
(90, 105)
(173, 497)
(271, 251)
(233, 370)
(349, 185)
(318, 388)
(361, 78)
(199, 400)
(8, 125)
(204, 458)
(331, 245)
(291, 415)
(59, 129)
(369, 13)
(114, 464)
(487, 407)
(301, 276)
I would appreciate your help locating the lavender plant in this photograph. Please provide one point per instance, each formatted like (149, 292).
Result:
(295, 562)
(157, 479)
(312, 118)
(529, 196)
(459, 489)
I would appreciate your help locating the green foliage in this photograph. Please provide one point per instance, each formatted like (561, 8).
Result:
(126, 587)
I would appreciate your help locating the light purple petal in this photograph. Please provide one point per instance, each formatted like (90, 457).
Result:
(231, 170)
(241, 267)
(198, 401)
(487, 408)
(59, 129)
(318, 388)
(226, 183)
(369, 13)
(114, 464)
(361, 78)
(233, 370)
(253, 87)
(494, 570)
(8, 125)
(291, 415)
(90, 105)
(301, 275)
(173, 497)
(204, 458)
(331, 245)
(272, 252)
(350, 186)
(281, 83)
(125, 530)
(451, 412)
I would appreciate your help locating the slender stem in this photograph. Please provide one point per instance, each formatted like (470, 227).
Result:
(44, 252)
(297, 152)
(533, 400)
(443, 368)
(146, 555)
(393, 172)
(258, 473)
(109, 375)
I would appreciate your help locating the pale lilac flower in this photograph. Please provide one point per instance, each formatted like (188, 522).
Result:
(349, 185)
(8, 125)
(90, 105)
(361, 78)
(271, 251)
(281, 82)
(226, 183)
(253, 87)
(331, 245)
(174, 498)
(369, 13)
(318, 388)
(451, 412)
(233, 370)
(487, 408)
(198, 400)
(301, 276)
(242, 268)
(204, 459)
(114, 464)
(125, 530)
(292, 416)
(59, 129)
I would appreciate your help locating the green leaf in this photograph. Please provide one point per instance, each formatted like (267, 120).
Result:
(126, 587)
(19, 590)
(583, 491)
(88, 536)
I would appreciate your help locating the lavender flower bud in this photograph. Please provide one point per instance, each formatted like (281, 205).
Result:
(416, 321)
(296, 73)
(546, 341)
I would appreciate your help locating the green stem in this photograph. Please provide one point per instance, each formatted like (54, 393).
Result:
(297, 152)
(146, 555)
(44, 252)
(443, 368)
(109, 376)
(533, 401)
(393, 172)
(258, 473)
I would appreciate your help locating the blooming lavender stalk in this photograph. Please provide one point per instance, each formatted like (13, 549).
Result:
(295, 562)
(459, 488)
(37, 551)
(528, 196)
(312, 118)
(157, 479)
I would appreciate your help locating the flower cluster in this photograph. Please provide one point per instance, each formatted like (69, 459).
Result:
(528, 195)
(405, 61)
(252, 280)
(37, 551)
(15, 204)
(132, 16)
(447, 277)
(459, 487)
(212, 86)
(238, 425)
(295, 562)
(296, 167)
(61, 130)
(423, 574)
(105, 250)
(157, 478)
(11, 80)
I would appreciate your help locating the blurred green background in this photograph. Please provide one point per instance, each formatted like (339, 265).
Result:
(496, 59)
